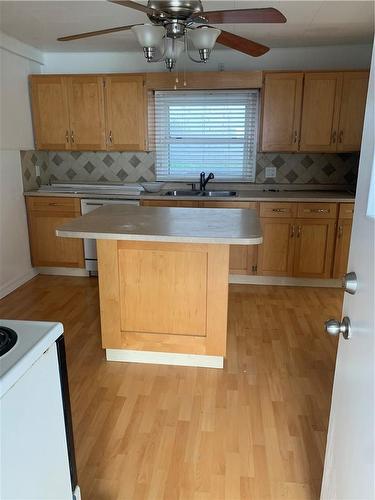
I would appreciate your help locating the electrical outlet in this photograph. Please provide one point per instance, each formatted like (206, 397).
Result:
(270, 172)
(37, 170)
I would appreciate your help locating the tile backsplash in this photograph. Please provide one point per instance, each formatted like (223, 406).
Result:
(101, 167)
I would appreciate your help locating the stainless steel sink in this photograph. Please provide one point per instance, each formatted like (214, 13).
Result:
(219, 194)
(209, 194)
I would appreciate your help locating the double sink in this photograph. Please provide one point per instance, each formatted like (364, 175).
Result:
(197, 193)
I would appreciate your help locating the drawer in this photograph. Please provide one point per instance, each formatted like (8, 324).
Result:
(281, 209)
(346, 211)
(53, 204)
(228, 204)
(317, 210)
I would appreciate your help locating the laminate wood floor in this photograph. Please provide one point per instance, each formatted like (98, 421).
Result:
(255, 430)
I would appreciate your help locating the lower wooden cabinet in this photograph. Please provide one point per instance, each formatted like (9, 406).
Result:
(343, 235)
(45, 214)
(277, 250)
(314, 245)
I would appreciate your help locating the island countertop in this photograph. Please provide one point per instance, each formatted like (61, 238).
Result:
(164, 224)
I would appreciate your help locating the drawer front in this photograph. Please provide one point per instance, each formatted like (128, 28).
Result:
(228, 204)
(54, 204)
(346, 211)
(281, 209)
(317, 210)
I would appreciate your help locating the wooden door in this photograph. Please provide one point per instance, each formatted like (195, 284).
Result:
(282, 100)
(47, 249)
(320, 111)
(50, 112)
(125, 106)
(277, 250)
(343, 234)
(314, 240)
(242, 258)
(86, 110)
(353, 102)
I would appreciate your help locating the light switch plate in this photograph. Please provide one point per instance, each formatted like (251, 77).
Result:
(37, 170)
(270, 172)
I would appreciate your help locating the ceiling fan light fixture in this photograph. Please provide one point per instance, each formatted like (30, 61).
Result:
(173, 50)
(204, 38)
(149, 35)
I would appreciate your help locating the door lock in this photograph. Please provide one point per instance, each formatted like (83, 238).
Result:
(334, 327)
(350, 283)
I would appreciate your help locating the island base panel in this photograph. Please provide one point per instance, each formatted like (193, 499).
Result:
(163, 297)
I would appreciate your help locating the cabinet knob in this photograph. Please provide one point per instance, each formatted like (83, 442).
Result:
(334, 137)
(110, 137)
(292, 231)
(299, 229)
(341, 135)
(67, 136)
(72, 136)
(295, 137)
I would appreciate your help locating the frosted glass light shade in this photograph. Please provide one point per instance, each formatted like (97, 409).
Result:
(204, 38)
(149, 35)
(173, 50)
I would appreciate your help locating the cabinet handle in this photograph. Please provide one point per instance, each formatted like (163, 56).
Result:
(278, 210)
(340, 230)
(295, 137)
(317, 210)
(334, 137)
(110, 136)
(67, 136)
(72, 136)
(292, 231)
(341, 136)
(299, 231)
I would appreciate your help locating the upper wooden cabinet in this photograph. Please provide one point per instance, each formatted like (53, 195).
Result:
(282, 99)
(86, 112)
(329, 118)
(352, 112)
(321, 111)
(125, 107)
(74, 113)
(50, 112)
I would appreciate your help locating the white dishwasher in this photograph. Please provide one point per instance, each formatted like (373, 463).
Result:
(88, 205)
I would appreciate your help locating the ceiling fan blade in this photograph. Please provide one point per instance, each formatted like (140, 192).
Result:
(140, 7)
(241, 44)
(265, 15)
(95, 33)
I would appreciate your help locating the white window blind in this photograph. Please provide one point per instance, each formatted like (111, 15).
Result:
(211, 131)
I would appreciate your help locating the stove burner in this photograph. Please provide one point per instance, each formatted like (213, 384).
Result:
(8, 339)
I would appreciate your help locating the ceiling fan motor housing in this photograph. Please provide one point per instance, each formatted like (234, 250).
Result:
(179, 10)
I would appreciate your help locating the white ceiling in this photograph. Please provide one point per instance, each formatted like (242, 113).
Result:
(309, 23)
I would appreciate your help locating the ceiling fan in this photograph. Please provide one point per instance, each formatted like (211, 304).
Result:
(180, 25)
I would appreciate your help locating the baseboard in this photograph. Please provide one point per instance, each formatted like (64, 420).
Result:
(242, 279)
(63, 271)
(164, 358)
(13, 285)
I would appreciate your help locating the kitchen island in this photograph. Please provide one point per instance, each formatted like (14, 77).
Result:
(163, 279)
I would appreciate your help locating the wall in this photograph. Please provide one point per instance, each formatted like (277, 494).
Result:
(76, 166)
(328, 57)
(17, 61)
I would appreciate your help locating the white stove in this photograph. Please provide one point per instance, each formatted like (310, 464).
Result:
(37, 449)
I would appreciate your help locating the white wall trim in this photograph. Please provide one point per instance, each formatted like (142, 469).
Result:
(242, 279)
(62, 271)
(20, 49)
(164, 358)
(14, 284)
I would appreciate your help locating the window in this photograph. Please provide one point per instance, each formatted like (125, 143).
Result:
(211, 131)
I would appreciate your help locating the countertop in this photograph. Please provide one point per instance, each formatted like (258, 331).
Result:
(243, 195)
(164, 224)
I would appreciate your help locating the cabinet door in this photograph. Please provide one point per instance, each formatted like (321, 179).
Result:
(343, 234)
(242, 258)
(352, 112)
(314, 248)
(86, 111)
(50, 112)
(47, 249)
(276, 251)
(125, 105)
(320, 111)
(282, 99)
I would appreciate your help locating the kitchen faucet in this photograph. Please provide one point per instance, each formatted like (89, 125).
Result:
(203, 180)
